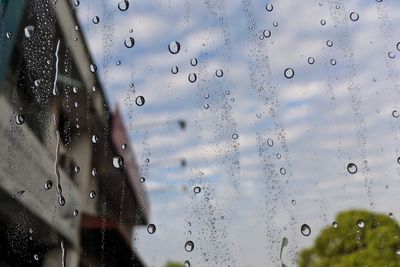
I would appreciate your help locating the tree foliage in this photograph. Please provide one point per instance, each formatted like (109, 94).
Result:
(361, 238)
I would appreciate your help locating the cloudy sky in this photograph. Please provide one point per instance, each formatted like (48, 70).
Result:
(269, 152)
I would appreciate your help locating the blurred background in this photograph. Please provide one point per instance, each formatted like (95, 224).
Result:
(200, 133)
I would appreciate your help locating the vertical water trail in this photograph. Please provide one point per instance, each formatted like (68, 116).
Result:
(63, 254)
(55, 90)
(61, 199)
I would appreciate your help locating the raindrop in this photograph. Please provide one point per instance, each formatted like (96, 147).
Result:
(352, 168)
(75, 90)
(398, 46)
(37, 83)
(76, 212)
(193, 61)
(311, 60)
(92, 194)
(151, 228)
(197, 189)
(187, 263)
(235, 136)
(267, 33)
(174, 47)
(275, 24)
(206, 96)
(142, 179)
(206, 106)
(227, 92)
(8, 35)
(123, 5)
(96, 20)
(270, 142)
(282, 171)
(289, 73)
(391, 55)
(360, 224)
(219, 73)
(189, 246)
(140, 101)
(329, 43)
(395, 114)
(36, 257)
(94, 88)
(323, 22)
(118, 63)
(20, 119)
(334, 225)
(48, 185)
(124, 146)
(118, 162)
(174, 69)
(269, 7)
(333, 62)
(293, 202)
(95, 139)
(398, 252)
(305, 230)
(76, 2)
(77, 169)
(28, 31)
(391, 215)
(129, 42)
(93, 68)
(354, 16)
(147, 160)
(192, 77)
(94, 172)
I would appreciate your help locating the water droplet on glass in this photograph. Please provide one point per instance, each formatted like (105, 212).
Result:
(94, 89)
(76, 2)
(36, 257)
(118, 63)
(142, 179)
(193, 61)
(289, 73)
(124, 146)
(93, 68)
(147, 160)
(92, 194)
(20, 119)
(323, 22)
(77, 169)
(151, 228)
(8, 35)
(118, 162)
(305, 230)
(360, 224)
(174, 47)
(333, 62)
(206, 106)
(354, 16)
(76, 212)
(311, 60)
(391, 55)
(140, 101)
(75, 90)
(174, 69)
(37, 82)
(282, 171)
(123, 5)
(186, 263)
(398, 46)
(48, 185)
(398, 252)
(269, 7)
(395, 114)
(95, 139)
(267, 33)
(293, 202)
(129, 42)
(19, 193)
(28, 31)
(334, 225)
(235, 136)
(192, 77)
(94, 172)
(270, 142)
(189, 246)
(352, 168)
(197, 189)
(96, 20)
(275, 24)
(219, 73)
(227, 92)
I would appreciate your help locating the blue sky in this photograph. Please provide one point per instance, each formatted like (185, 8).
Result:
(323, 118)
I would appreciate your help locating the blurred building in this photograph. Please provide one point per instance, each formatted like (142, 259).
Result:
(49, 87)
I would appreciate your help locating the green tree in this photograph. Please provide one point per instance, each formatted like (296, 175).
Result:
(357, 238)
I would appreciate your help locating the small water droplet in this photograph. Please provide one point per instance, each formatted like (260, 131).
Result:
(36, 257)
(77, 169)
(48, 185)
(20, 119)
(93, 68)
(94, 89)
(311, 60)
(174, 69)
(193, 61)
(76, 2)
(391, 55)
(269, 7)
(398, 46)
(282, 171)
(118, 162)
(352, 168)
(398, 252)
(76, 212)
(333, 62)
(206, 106)
(95, 139)
(235, 136)
(142, 179)
(174, 47)
(354, 16)
(360, 224)
(329, 43)
(124, 146)
(151, 228)
(293, 202)
(75, 89)
(305, 230)
(395, 114)
(92, 194)
(189, 246)
(270, 142)
(118, 63)
(323, 22)
(219, 73)
(186, 263)
(129, 42)
(267, 33)
(140, 101)
(28, 31)
(197, 189)
(192, 77)
(94, 172)
(8, 35)
(334, 225)
(123, 5)
(289, 73)
(37, 82)
(96, 20)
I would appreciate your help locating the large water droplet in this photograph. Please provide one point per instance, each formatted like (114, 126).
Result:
(219, 73)
(311, 60)
(329, 43)
(118, 162)
(174, 69)
(151, 228)
(76, 212)
(92, 194)
(193, 61)
(174, 47)
(267, 33)
(289, 73)
(123, 5)
(354, 16)
(305, 230)
(20, 119)
(129, 42)
(352, 168)
(189, 246)
(360, 224)
(282, 171)
(96, 20)
(391, 55)
(187, 263)
(28, 31)
(140, 101)
(197, 189)
(95, 139)
(192, 77)
(270, 142)
(269, 7)
(48, 185)
(93, 68)
(395, 114)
